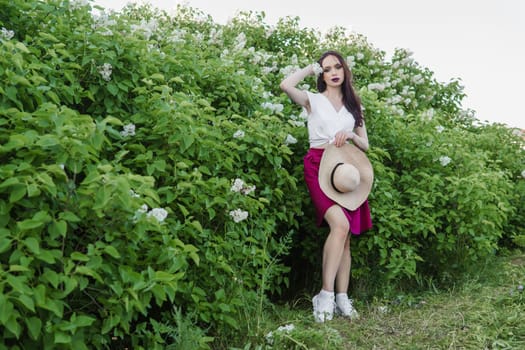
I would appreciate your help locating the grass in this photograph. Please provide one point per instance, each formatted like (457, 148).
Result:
(485, 310)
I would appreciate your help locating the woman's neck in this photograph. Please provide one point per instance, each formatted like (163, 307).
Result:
(335, 93)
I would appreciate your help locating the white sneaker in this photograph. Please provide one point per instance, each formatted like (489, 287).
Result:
(323, 308)
(345, 308)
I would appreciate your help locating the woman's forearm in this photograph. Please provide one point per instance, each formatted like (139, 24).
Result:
(295, 78)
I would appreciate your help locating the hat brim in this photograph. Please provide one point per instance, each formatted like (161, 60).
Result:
(350, 154)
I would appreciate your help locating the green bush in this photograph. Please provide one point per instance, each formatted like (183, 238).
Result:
(151, 190)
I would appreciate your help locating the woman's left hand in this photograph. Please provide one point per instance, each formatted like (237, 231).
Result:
(341, 137)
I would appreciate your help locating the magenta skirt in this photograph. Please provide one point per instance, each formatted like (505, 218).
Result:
(359, 219)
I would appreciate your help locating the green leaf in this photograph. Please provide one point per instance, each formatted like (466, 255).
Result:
(49, 37)
(82, 320)
(58, 228)
(32, 244)
(51, 277)
(110, 250)
(34, 325)
(69, 216)
(55, 306)
(18, 268)
(48, 141)
(187, 141)
(20, 46)
(9, 182)
(84, 270)
(13, 326)
(62, 338)
(30, 224)
(27, 302)
(19, 284)
(109, 323)
(157, 76)
(49, 256)
(5, 244)
(17, 193)
(33, 190)
(79, 256)
(54, 97)
(102, 198)
(112, 88)
(6, 308)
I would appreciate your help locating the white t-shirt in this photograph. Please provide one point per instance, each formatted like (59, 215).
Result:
(324, 121)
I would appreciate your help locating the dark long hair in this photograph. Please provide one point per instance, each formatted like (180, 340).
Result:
(351, 101)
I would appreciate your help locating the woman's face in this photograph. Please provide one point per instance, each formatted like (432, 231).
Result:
(333, 72)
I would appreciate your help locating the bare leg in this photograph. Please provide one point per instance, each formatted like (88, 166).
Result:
(334, 246)
(343, 274)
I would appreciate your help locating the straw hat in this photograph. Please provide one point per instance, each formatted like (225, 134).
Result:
(346, 175)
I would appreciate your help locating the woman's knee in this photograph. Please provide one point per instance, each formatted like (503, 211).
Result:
(337, 221)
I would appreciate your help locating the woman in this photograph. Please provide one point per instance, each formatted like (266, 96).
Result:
(334, 118)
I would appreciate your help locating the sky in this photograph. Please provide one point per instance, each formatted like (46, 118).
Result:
(482, 43)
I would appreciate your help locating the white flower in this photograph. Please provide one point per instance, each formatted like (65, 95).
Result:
(178, 36)
(274, 107)
(158, 213)
(238, 215)
(350, 60)
(247, 190)
(146, 27)
(282, 329)
(417, 79)
(268, 70)
(77, 4)
(140, 211)
(6, 34)
(238, 134)
(288, 328)
(383, 309)
(241, 42)
(133, 194)
(103, 21)
(290, 140)
(237, 185)
(62, 166)
(269, 338)
(129, 130)
(523, 174)
(360, 56)
(444, 160)
(278, 107)
(440, 128)
(376, 86)
(428, 114)
(288, 70)
(297, 123)
(240, 186)
(105, 71)
(317, 69)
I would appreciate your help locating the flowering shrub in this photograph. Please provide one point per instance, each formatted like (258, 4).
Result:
(151, 171)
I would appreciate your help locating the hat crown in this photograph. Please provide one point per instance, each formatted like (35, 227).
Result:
(345, 177)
